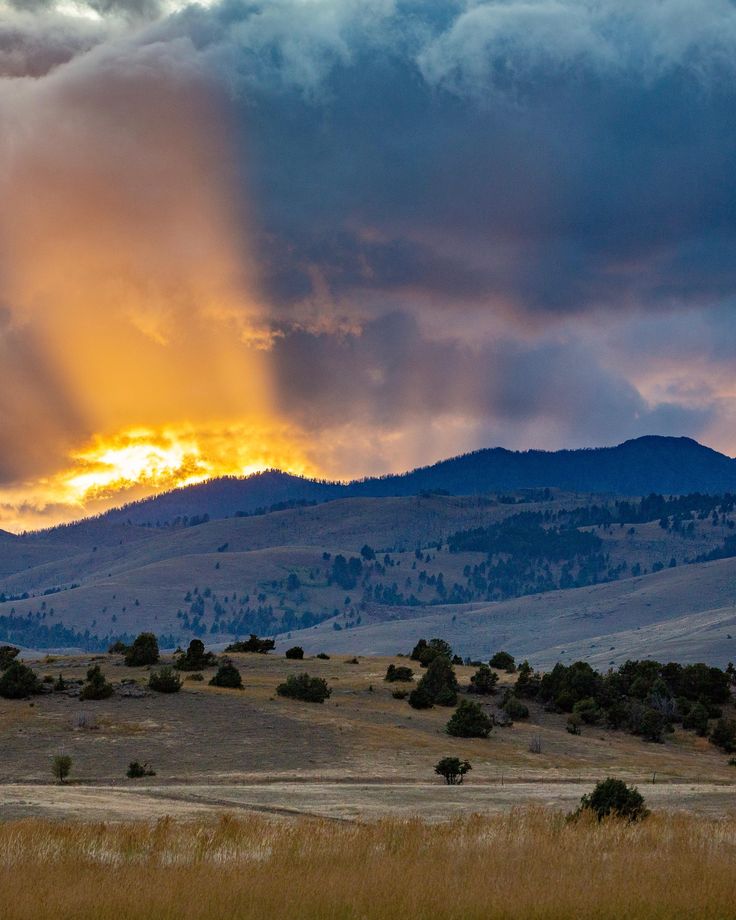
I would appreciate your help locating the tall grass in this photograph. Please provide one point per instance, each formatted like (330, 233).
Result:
(529, 864)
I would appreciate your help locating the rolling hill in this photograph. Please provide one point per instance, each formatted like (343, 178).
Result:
(664, 465)
(545, 571)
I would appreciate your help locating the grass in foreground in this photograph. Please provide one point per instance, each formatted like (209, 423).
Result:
(529, 864)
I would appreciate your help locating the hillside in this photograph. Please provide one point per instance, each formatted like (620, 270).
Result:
(371, 574)
(664, 465)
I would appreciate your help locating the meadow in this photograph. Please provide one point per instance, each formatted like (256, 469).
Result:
(530, 863)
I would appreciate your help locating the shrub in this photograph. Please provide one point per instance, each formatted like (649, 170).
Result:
(469, 721)
(420, 698)
(696, 719)
(59, 684)
(572, 726)
(588, 710)
(166, 680)
(425, 652)
(8, 654)
(254, 644)
(452, 769)
(18, 682)
(305, 688)
(136, 770)
(61, 766)
(483, 681)
(515, 709)
(117, 648)
(503, 661)
(323, 656)
(295, 653)
(96, 687)
(400, 673)
(613, 797)
(227, 676)
(440, 682)
(195, 658)
(143, 651)
(400, 694)
(723, 735)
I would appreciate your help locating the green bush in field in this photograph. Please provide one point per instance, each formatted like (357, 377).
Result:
(452, 769)
(18, 681)
(305, 688)
(96, 687)
(143, 651)
(613, 797)
(398, 673)
(165, 680)
(227, 676)
(61, 766)
(469, 721)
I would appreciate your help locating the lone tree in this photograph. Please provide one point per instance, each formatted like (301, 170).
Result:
(61, 766)
(96, 688)
(138, 770)
(305, 688)
(227, 676)
(503, 661)
(469, 721)
(195, 658)
(613, 797)
(18, 682)
(440, 682)
(483, 681)
(143, 651)
(296, 652)
(453, 770)
(165, 680)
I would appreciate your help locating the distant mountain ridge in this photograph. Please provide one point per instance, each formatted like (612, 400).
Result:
(666, 465)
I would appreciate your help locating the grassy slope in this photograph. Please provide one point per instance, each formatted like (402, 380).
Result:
(684, 613)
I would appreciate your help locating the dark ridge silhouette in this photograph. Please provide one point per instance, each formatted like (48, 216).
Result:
(665, 465)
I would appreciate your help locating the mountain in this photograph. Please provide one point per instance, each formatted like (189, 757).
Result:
(664, 465)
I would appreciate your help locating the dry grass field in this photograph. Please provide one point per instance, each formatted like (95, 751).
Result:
(362, 754)
(529, 863)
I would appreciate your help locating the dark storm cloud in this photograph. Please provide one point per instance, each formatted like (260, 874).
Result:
(391, 374)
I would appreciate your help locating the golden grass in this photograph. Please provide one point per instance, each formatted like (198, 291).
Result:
(529, 863)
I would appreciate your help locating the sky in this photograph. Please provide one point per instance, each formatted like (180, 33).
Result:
(348, 237)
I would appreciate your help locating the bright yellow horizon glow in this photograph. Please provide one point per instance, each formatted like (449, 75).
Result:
(113, 470)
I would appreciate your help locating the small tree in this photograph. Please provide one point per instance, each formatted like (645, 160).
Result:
(96, 688)
(613, 797)
(295, 653)
(61, 766)
(165, 680)
(117, 648)
(452, 769)
(483, 681)
(696, 719)
(305, 688)
(137, 770)
(18, 682)
(227, 676)
(440, 682)
(420, 698)
(400, 673)
(723, 735)
(143, 651)
(195, 658)
(515, 709)
(469, 721)
(8, 654)
(425, 652)
(503, 661)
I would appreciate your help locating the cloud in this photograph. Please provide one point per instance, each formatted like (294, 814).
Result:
(415, 227)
